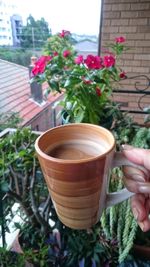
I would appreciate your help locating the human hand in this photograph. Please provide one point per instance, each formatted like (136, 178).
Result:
(138, 182)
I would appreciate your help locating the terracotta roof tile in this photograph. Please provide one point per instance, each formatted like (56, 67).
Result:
(15, 92)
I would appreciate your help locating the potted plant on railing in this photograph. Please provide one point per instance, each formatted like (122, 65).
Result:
(86, 82)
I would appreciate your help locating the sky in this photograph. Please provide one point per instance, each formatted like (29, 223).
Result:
(77, 16)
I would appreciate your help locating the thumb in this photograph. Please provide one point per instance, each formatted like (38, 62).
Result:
(138, 156)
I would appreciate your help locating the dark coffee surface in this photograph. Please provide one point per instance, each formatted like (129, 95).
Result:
(76, 150)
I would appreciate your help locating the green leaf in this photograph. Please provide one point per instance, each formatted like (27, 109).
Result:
(17, 225)
(46, 92)
(96, 257)
(4, 186)
(22, 153)
(54, 85)
(79, 117)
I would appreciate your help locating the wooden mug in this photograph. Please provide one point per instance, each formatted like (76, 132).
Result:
(78, 182)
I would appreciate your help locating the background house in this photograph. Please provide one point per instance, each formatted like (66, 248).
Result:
(10, 24)
(17, 95)
(16, 24)
(86, 47)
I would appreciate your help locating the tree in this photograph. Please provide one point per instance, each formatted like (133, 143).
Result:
(35, 33)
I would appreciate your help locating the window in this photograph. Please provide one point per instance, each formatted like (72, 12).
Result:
(2, 29)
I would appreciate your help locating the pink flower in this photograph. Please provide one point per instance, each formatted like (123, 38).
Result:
(93, 62)
(120, 39)
(66, 53)
(109, 61)
(122, 75)
(78, 60)
(40, 65)
(86, 81)
(64, 33)
(98, 91)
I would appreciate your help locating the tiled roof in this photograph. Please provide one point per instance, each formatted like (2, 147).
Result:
(15, 92)
(87, 46)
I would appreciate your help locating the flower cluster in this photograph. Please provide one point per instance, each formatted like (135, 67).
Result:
(87, 82)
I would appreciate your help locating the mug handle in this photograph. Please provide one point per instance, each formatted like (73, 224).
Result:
(119, 196)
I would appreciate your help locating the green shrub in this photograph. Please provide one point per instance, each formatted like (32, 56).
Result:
(18, 56)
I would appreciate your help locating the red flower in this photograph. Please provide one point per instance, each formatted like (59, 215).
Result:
(55, 53)
(120, 39)
(40, 65)
(122, 75)
(86, 81)
(64, 33)
(78, 60)
(98, 91)
(93, 62)
(109, 61)
(66, 53)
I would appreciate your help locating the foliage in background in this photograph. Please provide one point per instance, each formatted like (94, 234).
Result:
(35, 33)
(18, 56)
(9, 120)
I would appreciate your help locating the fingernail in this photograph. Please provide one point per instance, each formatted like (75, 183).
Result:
(135, 213)
(141, 226)
(126, 147)
(144, 189)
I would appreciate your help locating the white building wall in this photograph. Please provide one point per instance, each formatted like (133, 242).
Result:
(6, 11)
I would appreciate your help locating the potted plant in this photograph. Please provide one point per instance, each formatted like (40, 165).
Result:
(43, 239)
(86, 82)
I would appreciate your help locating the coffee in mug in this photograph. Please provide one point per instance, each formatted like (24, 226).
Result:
(77, 149)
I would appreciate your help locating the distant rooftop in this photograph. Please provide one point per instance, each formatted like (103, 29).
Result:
(86, 46)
